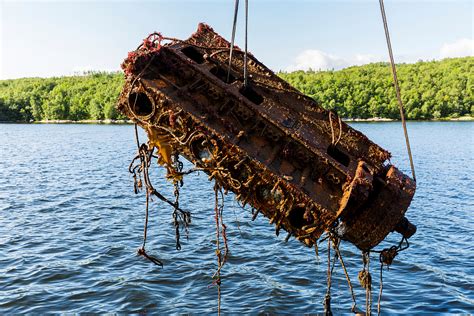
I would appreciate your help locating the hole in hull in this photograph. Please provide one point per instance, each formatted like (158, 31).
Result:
(296, 217)
(202, 150)
(193, 54)
(140, 104)
(251, 95)
(221, 74)
(337, 154)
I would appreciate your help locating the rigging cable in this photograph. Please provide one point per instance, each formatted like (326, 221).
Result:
(246, 40)
(234, 27)
(397, 87)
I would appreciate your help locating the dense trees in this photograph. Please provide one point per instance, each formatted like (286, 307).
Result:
(430, 90)
(436, 89)
(91, 96)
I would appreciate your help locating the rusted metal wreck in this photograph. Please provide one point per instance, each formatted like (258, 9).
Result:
(275, 148)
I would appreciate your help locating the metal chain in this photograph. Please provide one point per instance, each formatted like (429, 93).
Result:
(178, 168)
(397, 87)
(175, 215)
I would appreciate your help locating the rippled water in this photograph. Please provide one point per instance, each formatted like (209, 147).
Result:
(70, 226)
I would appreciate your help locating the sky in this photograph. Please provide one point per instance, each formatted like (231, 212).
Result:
(55, 38)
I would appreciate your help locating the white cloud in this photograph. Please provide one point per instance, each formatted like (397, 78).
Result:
(460, 48)
(361, 59)
(318, 60)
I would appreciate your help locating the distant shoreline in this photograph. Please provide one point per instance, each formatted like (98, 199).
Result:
(108, 121)
(105, 122)
(381, 119)
(347, 120)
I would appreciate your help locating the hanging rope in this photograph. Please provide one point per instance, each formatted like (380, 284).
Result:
(327, 297)
(234, 27)
(365, 280)
(336, 242)
(379, 303)
(218, 249)
(145, 156)
(220, 231)
(386, 257)
(333, 138)
(397, 87)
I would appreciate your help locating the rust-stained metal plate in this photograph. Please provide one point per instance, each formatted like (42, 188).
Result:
(276, 149)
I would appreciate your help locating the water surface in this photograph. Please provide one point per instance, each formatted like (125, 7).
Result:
(70, 226)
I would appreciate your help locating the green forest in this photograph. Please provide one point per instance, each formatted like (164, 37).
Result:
(430, 90)
(91, 96)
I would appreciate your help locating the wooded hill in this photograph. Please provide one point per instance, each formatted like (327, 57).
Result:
(430, 90)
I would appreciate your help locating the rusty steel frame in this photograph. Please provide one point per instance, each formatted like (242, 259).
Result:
(275, 148)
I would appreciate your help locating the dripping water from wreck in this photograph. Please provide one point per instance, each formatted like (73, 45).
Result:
(70, 226)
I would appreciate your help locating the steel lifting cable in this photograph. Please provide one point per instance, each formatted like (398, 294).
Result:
(246, 40)
(397, 87)
(234, 27)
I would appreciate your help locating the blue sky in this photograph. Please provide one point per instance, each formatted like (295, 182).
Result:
(52, 38)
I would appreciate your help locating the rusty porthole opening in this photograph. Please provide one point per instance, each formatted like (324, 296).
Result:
(140, 104)
(202, 150)
(296, 217)
(251, 95)
(193, 54)
(337, 154)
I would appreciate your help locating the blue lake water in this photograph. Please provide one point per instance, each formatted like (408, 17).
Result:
(70, 226)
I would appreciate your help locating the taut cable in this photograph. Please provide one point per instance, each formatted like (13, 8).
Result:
(234, 27)
(397, 87)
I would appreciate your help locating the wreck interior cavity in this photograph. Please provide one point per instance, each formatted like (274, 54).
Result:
(296, 217)
(251, 95)
(140, 104)
(338, 155)
(193, 54)
(221, 74)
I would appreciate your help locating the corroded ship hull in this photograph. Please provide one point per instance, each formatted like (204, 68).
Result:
(276, 149)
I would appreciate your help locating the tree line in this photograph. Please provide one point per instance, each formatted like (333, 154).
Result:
(91, 96)
(430, 90)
